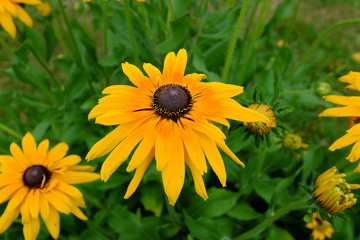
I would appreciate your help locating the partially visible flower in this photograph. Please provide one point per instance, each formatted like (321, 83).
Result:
(262, 127)
(334, 64)
(44, 9)
(37, 181)
(332, 191)
(322, 88)
(321, 229)
(281, 43)
(353, 79)
(356, 57)
(169, 116)
(11, 8)
(350, 108)
(293, 142)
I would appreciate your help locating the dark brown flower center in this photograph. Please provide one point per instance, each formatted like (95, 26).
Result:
(36, 176)
(172, 101)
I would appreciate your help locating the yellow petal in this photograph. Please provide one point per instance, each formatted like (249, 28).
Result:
(162, 150)
(139, 173)
(7, 192)
(23, 16)
(153, 73)
(52, 222)
(69, 190)
(7, 23)
(56, 153)
(213, 156)
(10, 178)
(45, 206)
(29, 147)
(72, 177)
(78, 213)
(33, 198)
(348, 111)
(167, 73)
(42, 151)
(66, 161)
(18, 154)
(136, 76)
(180, 65)
(19, 196)
(31, 229)
(173, 174)
(7, 218)
(221, 144)
(198, 180)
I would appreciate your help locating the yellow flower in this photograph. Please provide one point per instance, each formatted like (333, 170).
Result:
(281, 43)
(293, 142)
(44, 9)
(171, 116)
(333, 192)
(356, 57)
(261, 127)
(11, 8)
(321, 229)
(350, 108)
(37, 182)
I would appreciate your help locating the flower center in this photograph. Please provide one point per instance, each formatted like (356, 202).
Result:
(36, 176)
(172, 101)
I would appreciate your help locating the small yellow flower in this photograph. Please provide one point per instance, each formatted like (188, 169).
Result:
(356, 57)
(293, 142)
(261, 127)
(281, 43)
(321, 229)
(44, 9)
(350, 108)
(11, 8)
(333, 192)
(37, 181)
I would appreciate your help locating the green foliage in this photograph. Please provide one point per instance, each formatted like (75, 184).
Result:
(53, 74)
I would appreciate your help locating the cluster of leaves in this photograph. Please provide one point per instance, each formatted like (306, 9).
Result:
(55, 72)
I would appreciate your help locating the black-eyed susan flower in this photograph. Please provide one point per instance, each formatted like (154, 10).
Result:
(10, 9)
(321, 228)
(169, 116)
(333, 193)
(262, 127)
(350, 108)
(356, 57)
(37, 181)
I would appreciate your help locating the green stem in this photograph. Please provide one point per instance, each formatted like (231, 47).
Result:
(261, 160)
(170, 16)
(251, 19)
(257, 32)
(130, 30)
(7, 47)
(10, 131)
(295, 92)
(291, 24)
(171, 210)
(77, 55)
(105, 22)
(317, 42)
(231, 48)
(268, 221)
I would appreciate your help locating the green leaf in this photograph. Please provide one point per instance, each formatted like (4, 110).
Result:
(152, 198)
(179, 33)
(277, 233)
(244, 212)
(41, 128)
(308, 217)
(220, 201)
(50, 40)
(203, 228)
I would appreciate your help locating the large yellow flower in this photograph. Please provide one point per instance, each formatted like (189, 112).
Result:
(171, 116)
(37, 182)
(321, 229)
(11, 8)
(350, 108)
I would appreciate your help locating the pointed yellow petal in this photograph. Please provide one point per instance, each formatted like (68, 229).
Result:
(29, 147)
(45, 206)
(7, 218)
(213, 156)
(7, 23)
(56, 153)
(52, 222)
(153, 73)
(23, 16)
(355, 152)
(42, 151)
(139, 173)
(66, 161)
(17, 198)
(78, 213)
(221, 144)
(33, 198)
(18, 154)
(173, 175)
(7, 192)
(162, 151)
(136, 76)
(10, 178)
(348, 111)
(198, 180)
(31, 229)
(72, 177)
(179, 67)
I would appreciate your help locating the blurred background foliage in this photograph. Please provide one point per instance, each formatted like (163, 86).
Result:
(53, 74)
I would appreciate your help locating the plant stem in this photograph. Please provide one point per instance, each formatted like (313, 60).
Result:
(251, 19)
(291, 24)
(257, 32)
(317, 42)
(268, 221)
(7, 47)
(77, 55)
(231, 48)
(295, 92)
(261, 160)
(130, 30)
(105, 27)
(10, 131)
(170, 16)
